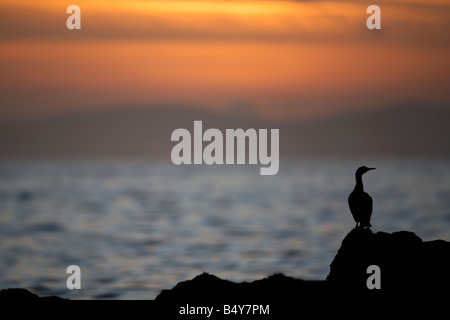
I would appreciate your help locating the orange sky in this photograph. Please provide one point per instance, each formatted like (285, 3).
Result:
(283, 58)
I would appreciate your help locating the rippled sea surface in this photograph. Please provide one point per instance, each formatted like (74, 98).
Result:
(135, 228)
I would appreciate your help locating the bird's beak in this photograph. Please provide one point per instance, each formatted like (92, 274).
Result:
(371, 168)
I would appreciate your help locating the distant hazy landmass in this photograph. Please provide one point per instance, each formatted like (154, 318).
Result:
(145, 132)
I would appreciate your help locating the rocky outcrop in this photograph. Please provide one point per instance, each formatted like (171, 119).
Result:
(208, 287)
(24, 295)
(407, 267)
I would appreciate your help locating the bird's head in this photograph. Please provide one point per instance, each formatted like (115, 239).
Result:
(362, 170)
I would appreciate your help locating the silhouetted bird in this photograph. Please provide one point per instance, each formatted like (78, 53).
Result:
(360, 202)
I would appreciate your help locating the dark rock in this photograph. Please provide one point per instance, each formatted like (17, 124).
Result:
(17, 294)
(24, 295)
(410, 268)
(408, 265)
(206, 287)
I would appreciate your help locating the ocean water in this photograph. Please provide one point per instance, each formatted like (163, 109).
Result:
(135, 228)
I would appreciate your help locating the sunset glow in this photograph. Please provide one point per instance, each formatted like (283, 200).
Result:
(283, 58)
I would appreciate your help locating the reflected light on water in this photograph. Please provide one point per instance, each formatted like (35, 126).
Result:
(136, 228)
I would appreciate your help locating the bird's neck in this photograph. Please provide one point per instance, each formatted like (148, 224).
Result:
(359, 184)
